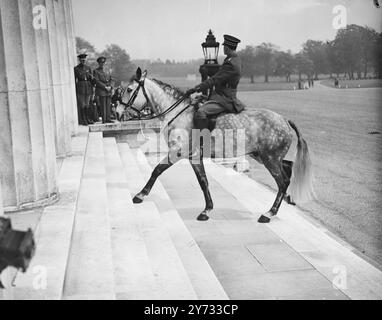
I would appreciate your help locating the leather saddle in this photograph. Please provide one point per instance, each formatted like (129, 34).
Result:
(211, 119)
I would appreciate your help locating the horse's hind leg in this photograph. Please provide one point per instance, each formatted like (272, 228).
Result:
(276, 169)
(203, 182)
(159, 169)
(287, 168)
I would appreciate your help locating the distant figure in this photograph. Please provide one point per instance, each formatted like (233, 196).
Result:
(336, 82)
(103, 90)
(84, 90)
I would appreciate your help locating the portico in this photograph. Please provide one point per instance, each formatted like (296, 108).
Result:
(38, 105)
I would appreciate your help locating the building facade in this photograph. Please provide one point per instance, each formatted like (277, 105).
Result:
(38, 112)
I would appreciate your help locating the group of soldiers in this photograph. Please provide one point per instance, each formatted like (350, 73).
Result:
(94, 91)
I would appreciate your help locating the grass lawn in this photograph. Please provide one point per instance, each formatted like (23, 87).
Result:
(245, 85)
(347, 158)
(367, 83)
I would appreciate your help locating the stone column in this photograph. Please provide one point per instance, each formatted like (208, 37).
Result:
(1, 202)
(59, 78)
(27, 149)
(70, 62)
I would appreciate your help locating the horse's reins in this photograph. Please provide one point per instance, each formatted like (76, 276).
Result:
(141, 84)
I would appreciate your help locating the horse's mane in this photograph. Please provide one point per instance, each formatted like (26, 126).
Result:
(169, 89)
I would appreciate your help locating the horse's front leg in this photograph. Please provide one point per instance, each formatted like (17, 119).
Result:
(159, 169)
(200, 172)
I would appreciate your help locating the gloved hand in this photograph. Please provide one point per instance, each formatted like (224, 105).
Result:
(189, 92)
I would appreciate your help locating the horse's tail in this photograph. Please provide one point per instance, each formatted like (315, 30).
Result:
(301, 185)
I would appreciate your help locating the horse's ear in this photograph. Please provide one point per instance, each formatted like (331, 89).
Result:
(138, 74)
(144, 75)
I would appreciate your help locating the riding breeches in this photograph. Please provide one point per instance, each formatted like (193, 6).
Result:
(208, 110)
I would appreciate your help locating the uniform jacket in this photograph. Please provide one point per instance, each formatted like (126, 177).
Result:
(102, 80)
(226, 81)
(83, 76)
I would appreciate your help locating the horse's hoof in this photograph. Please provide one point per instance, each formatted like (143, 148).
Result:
(137, 200)
(289, 200)
(264, 219)
(203, 217)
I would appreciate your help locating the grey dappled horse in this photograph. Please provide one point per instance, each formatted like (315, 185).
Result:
(267, 138)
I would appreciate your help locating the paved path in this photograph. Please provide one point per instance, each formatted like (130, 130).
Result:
(249, 259)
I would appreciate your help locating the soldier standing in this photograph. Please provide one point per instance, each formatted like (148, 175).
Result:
(84, 90)
(103, 89)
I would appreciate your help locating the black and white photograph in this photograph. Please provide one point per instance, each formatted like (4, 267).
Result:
(179, 152)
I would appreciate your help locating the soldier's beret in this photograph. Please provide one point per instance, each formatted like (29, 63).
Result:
(101, 58)
(231, 41)
(82, 55)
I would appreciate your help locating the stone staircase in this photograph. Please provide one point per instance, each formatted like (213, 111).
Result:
(96, 244)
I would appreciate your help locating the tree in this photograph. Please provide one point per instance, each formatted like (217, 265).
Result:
(247, 56)
(83, 45)
(285, 64)
(349, 43)
(303, 65)
(264, 59)
(316, 52)
(377, 61)
(335, 63)
(368, 44)
(121, 67)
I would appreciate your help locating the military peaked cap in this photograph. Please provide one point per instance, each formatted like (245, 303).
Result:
(101, 58)
(82, 55)
(231, 41)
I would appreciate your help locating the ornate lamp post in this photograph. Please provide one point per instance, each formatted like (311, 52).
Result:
(210, 51)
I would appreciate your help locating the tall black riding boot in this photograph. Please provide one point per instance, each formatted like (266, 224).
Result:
(89, 115)
(201, 124)
(83, 119)
(94, 113)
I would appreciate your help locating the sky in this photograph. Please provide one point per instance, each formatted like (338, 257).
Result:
(175, 29)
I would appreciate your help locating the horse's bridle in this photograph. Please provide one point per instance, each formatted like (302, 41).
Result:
(129, 104)
(141, 84)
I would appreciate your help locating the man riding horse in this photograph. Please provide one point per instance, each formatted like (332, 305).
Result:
(267, 136)
(225, 82)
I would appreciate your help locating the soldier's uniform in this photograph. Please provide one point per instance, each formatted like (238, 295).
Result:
(84, 91)
(225, 82)
(102, 80)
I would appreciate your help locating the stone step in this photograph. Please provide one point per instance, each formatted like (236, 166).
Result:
(134, 278)
(167, 267)
(202, 277)
(165, 262)
(89, 274)
(45, 276)
(333, 258)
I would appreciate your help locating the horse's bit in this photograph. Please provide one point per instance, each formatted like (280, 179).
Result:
(129, 104)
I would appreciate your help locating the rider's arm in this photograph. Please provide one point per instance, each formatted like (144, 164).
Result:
(226, 72)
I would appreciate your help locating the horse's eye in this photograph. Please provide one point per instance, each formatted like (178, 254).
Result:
(129, 90)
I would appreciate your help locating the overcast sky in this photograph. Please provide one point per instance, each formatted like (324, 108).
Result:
(175, 29)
